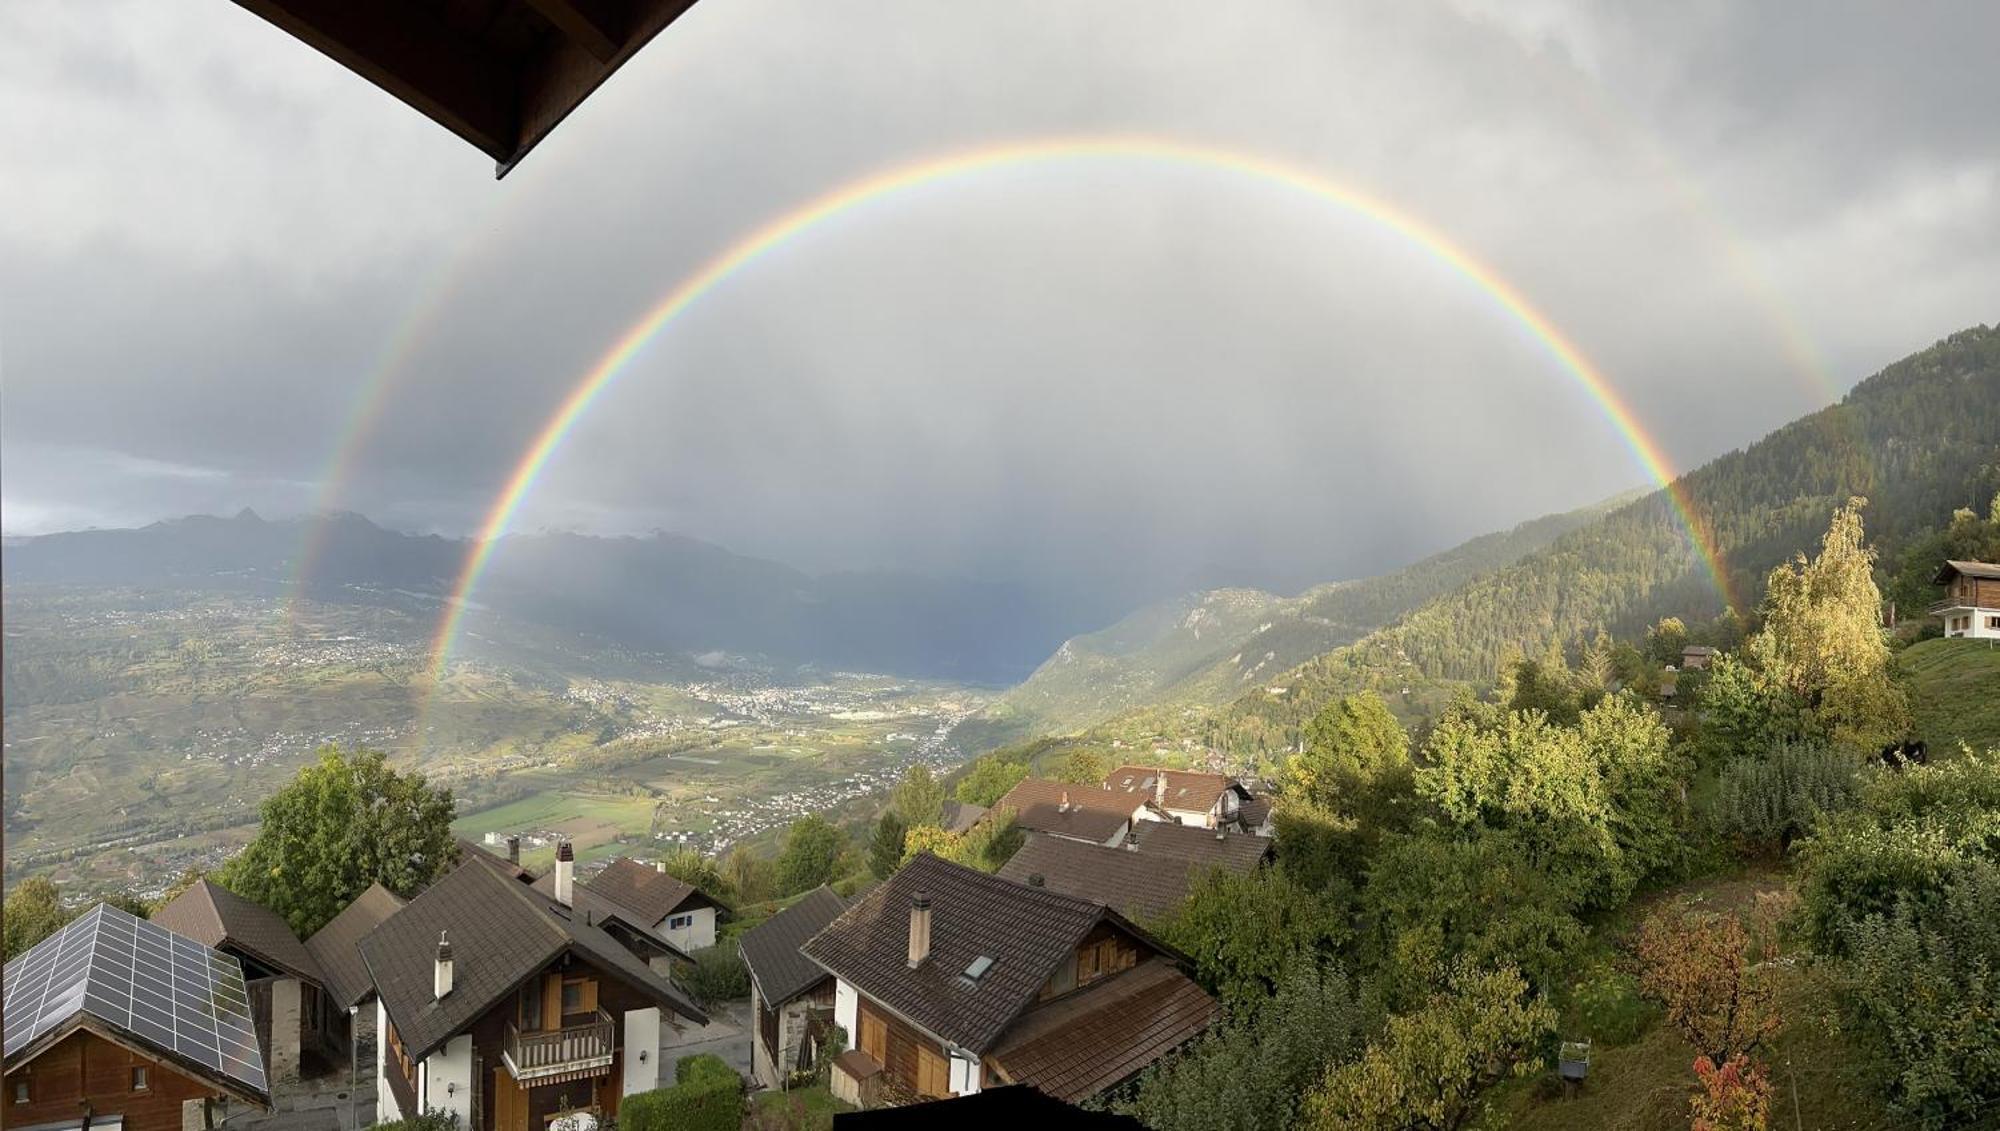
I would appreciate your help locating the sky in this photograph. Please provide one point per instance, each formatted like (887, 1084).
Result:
(1109, 375)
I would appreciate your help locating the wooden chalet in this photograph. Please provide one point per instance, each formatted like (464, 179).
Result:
(951, 981)
(117, 1024)
(1971, 603)
(502, 1006)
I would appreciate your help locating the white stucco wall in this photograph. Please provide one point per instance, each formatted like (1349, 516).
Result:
(696, 935)
(642, 1034)
(386, 1107)
(286, 997)
(447, 1079)
(847, 1012)
(1978, 630)
(1202, 818)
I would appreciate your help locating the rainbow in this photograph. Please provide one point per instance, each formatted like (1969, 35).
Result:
(783, 229)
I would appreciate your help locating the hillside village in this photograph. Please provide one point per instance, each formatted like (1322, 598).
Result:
(1078, 934)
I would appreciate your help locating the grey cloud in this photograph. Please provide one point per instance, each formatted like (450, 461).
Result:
(1113, 375)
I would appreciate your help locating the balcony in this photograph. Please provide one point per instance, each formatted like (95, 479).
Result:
(560, 1052)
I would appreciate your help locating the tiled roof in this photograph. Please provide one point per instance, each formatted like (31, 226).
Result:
(501, 932)
(337, 946)
(216, 917)
(1139, 887)
(1254, 812)
(650, 894)
(771, 948)
(1185, 789)
(1238, 852)
(467, 850)
(958, 816)
(1025, 931)
(1079, 1045)
(1086, 811)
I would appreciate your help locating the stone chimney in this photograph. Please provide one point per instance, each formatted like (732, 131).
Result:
(441, 975)
(565, 873)
(514, 849)
(660, 866)
(920, 929)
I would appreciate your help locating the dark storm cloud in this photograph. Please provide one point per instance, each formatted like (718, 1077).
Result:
(1115, 374)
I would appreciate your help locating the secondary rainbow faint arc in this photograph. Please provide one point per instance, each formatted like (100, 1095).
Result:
(903, 177)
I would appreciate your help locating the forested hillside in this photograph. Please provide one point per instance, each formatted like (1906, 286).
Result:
(1918, 440)
(1205, 649)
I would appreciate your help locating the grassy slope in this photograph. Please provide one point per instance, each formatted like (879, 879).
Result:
(1207, 648)
(1954, 688)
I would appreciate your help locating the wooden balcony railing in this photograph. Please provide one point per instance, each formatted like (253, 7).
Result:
(533, 1055)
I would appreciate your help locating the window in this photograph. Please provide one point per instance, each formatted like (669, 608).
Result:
(531, 1006)
(21, 1091)
(680, 921)
(1993, 622)
(573, 997)
(138, 1077)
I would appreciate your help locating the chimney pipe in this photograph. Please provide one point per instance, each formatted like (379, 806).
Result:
(565, 873)
(514, 848)
(441, 974)
(920, 929)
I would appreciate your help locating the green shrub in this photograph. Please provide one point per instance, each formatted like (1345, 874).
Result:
(708, 1096)
(1768, 801)
(432, 1120)
(1609, 1009)
(718, 975)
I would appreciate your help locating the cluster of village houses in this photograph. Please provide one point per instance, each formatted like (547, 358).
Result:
(504, 999)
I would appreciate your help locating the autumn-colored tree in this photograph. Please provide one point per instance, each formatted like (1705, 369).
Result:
(1356, 761)
(1823, 640)
(1733, 1097)
(1427, 1069)
(1698, 966)
(1082, 766)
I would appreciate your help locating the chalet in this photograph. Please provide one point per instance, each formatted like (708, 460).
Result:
(1146, 878)
(951, 981)
(790, 996)
(501, 1006)
(1696, 657)
(1076, 812)
(336, 947)
(1185, 797)
(295, 1016)
(117, 1024)
(646, 896)
(1971, 604)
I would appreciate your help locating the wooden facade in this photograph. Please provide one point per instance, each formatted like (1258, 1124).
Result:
(84, 1072)
(569, 997)
(1972, 592)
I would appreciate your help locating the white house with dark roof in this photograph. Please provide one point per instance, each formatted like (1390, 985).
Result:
(1184, 797)
(948, 980)
(1971, 603)
(673, 910)
(503, 1006)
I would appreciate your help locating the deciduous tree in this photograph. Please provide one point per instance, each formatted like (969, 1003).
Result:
(346, 821)
(811, 855)
(1697, 964)
(989, 779)
(1733, 1097)
(1242, 931)
(918, 798)
(34, 910)
(1427, 1069)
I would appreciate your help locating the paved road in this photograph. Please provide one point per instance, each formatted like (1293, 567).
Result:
(727, 1035)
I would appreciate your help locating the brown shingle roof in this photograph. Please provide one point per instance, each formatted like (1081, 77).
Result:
(337, 946)
(1967, 569)
(646, 892)
(771, 948)
(470, 851)
(1238, 852)
(501, 932)
(1139, 887)
(958, 816)
(1077, 1046)
(1254, 812)
(1065, 809)
(218, 918)
(1026, 931)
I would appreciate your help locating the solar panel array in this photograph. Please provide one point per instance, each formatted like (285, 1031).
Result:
(171, 993)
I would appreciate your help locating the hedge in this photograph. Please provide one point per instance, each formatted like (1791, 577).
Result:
(708, 1097)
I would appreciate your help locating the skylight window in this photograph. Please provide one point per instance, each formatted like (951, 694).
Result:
(977, 970)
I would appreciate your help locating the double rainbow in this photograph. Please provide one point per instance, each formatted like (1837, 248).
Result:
(616, 361)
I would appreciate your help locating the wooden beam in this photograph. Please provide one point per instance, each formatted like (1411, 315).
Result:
(404, 49)
(598, 26)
